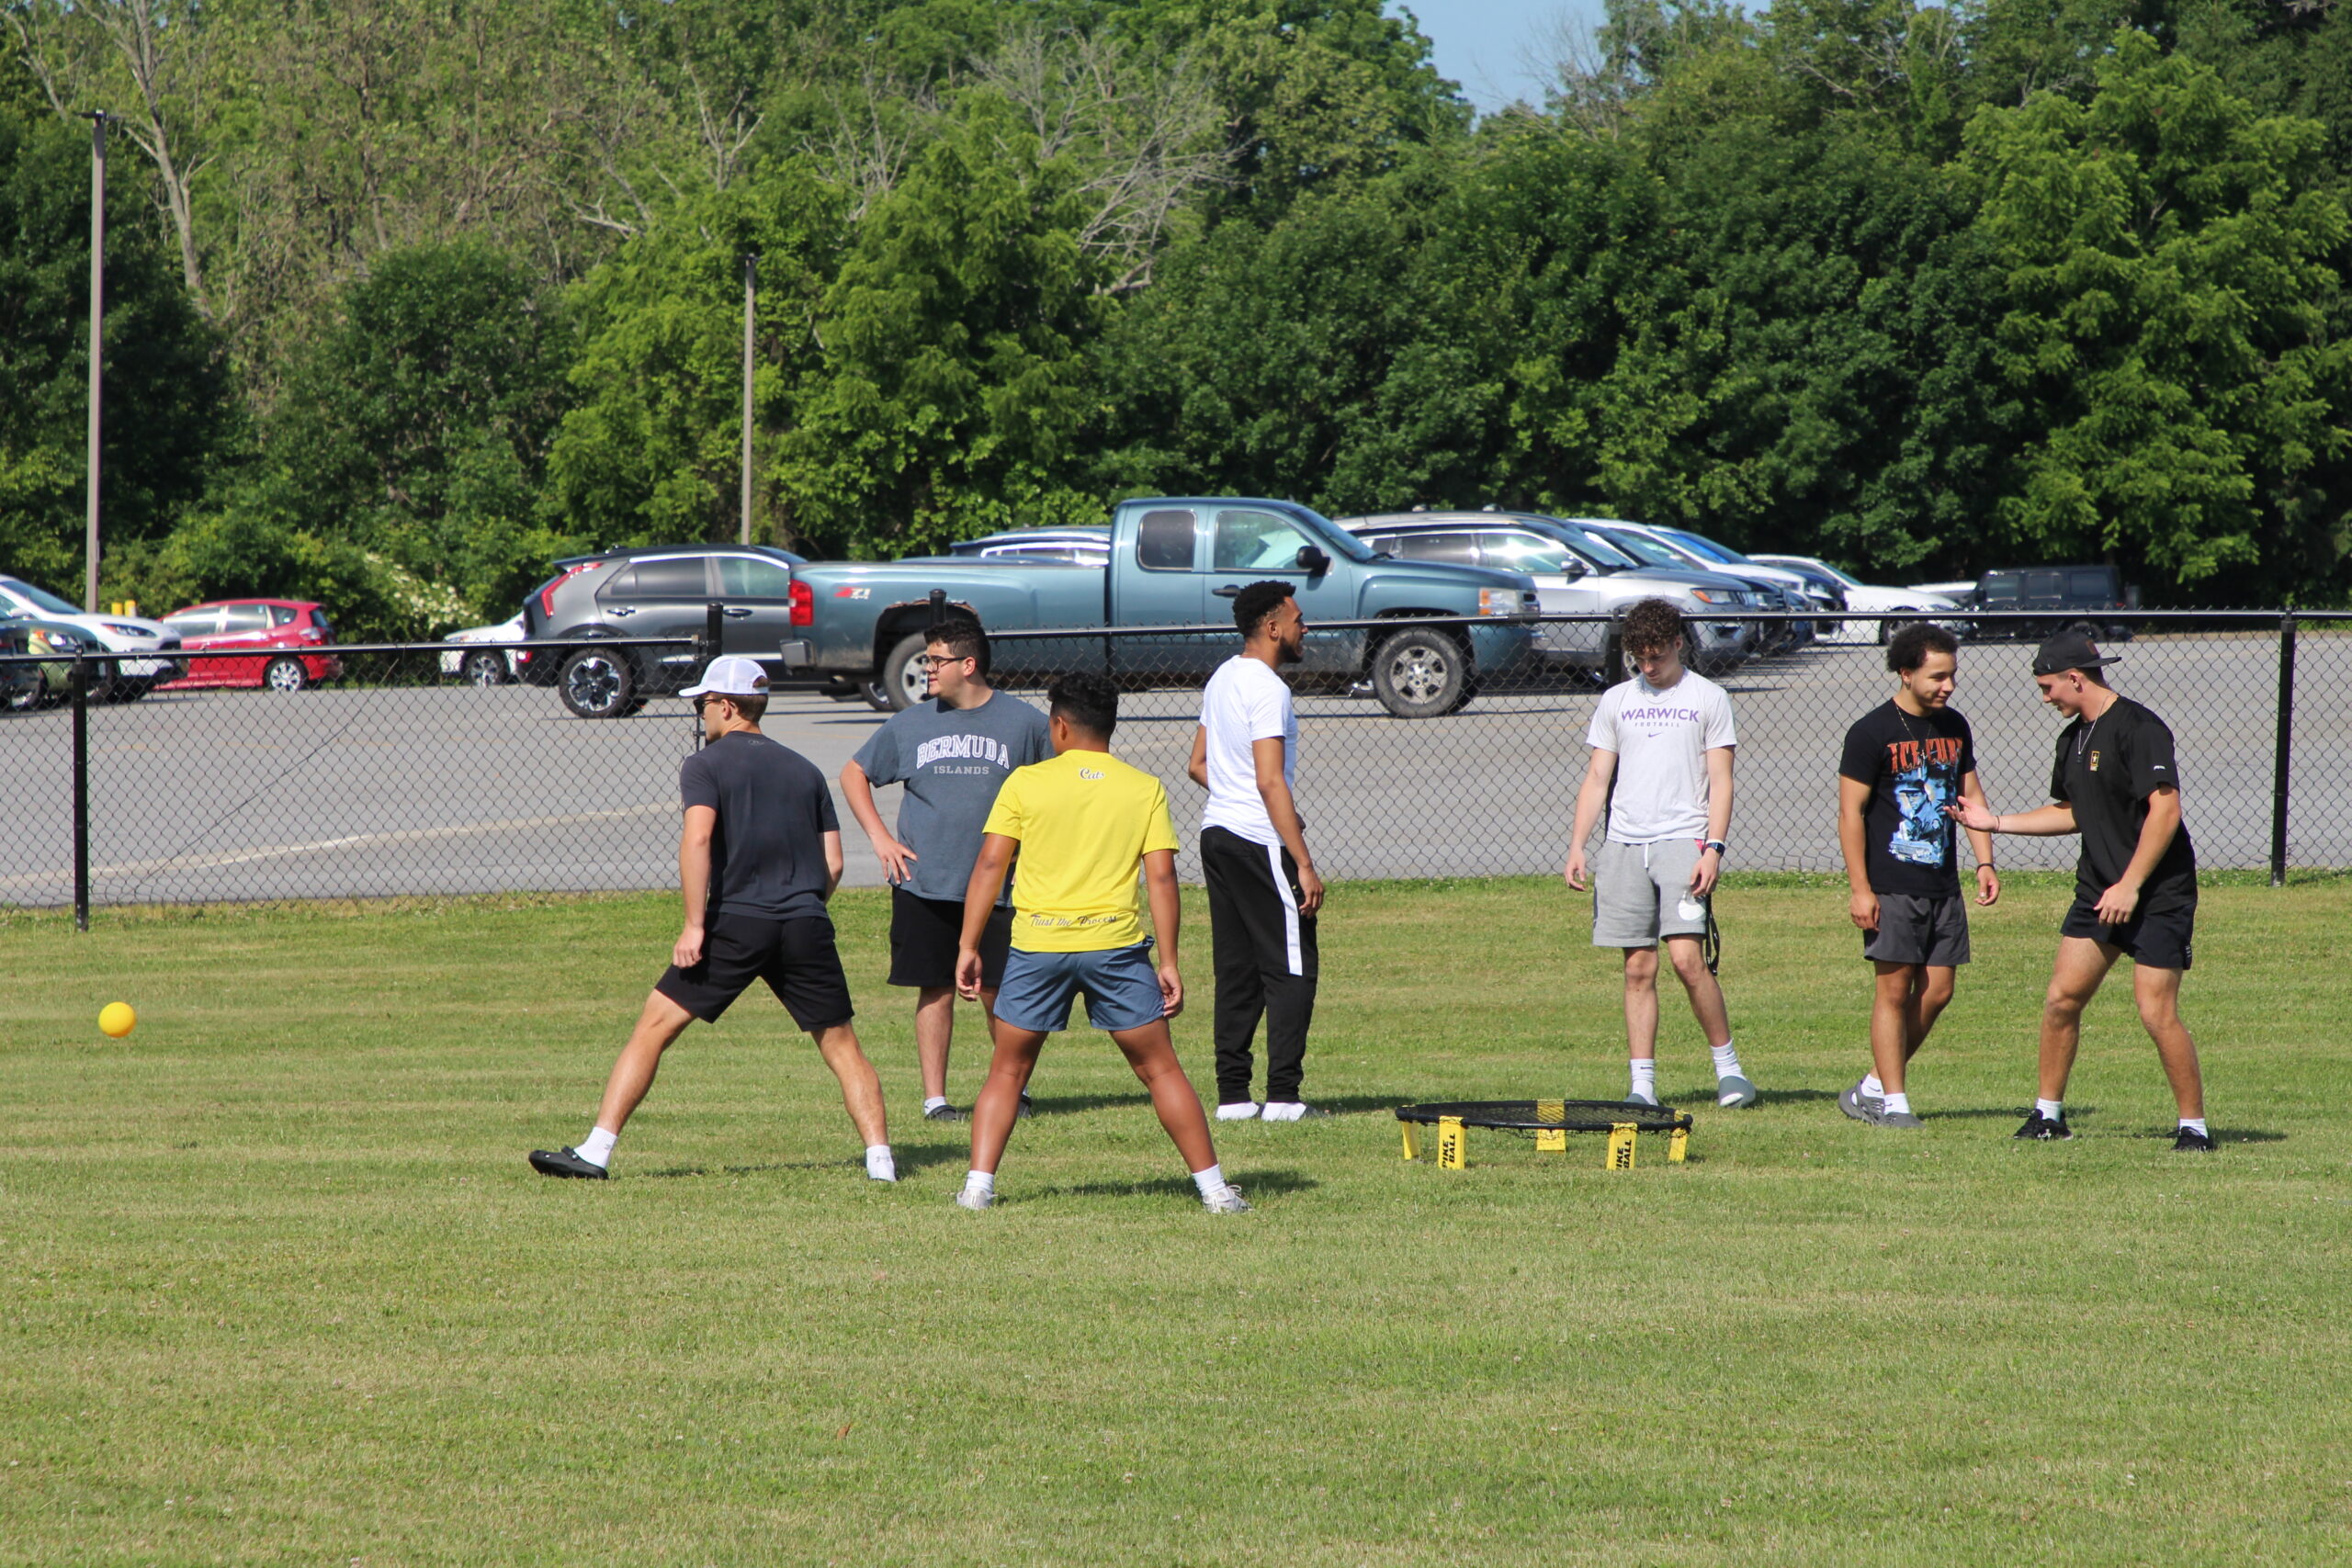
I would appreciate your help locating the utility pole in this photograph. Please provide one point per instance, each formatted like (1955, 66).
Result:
(750, 307)
(97, 118)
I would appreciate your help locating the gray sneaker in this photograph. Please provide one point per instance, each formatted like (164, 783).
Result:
(944, 1114)
(967, 1199)
(1897, 1119)
(1860, 1105)
(1734, 1092)
(1228, 1200)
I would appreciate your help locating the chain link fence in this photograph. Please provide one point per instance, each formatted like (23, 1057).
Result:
(431, 770)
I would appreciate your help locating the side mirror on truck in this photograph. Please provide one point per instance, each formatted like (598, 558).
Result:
(1311, 559)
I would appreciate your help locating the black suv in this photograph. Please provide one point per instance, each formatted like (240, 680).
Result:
(2070, 593)
(664, 592)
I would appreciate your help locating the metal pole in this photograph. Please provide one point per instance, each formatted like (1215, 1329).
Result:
(2282, 761)
(97, 357)
(751, 311)
(80, 685)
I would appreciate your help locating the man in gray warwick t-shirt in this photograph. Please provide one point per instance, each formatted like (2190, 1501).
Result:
(951, 753)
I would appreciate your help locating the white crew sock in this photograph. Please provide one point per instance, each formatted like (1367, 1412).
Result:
(1873, 1088)
(934, 1102)
(1897, 1101)
(1283, 1110)
(2051, 1110)
(2196, 1124)
(982, 1182)
(597, 1148)
(1238, 1110)
(1726, 1057)
(1644, 1076)
(1210, 1181)
(878, 1163)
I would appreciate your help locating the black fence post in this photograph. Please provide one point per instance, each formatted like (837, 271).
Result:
(938, 608)
(80, 686)
(713, 622)
(2281, 765)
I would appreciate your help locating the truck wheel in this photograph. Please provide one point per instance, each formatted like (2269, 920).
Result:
(598, 683)
(900, 680)
(1421, 673)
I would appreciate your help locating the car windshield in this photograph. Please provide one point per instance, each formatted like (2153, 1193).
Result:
(1646, 550)
(1339, 540)
(1605, 552)
(47, 601)
(1706, 547)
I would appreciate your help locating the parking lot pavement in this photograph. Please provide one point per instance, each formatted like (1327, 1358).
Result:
(367, 792)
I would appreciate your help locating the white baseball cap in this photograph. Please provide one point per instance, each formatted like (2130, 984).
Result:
(732, 675)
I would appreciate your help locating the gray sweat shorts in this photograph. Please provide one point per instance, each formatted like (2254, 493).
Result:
(1642, 892)
(1912, 930)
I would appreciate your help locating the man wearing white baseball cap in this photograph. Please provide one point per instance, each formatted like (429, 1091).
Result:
(760, 854)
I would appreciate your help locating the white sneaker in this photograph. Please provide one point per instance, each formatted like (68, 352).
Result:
(967, 1199)
(1228, 1200)
(1240, 1111)
(1640, 1097)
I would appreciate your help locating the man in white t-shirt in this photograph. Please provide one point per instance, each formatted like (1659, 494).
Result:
(1665, 739)
(1264, 892)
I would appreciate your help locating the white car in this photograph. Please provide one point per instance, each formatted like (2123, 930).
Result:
(1862, 596)
(486, 666)
(120, 681)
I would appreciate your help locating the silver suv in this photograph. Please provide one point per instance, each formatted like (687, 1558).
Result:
(664, 592)
(1576, 572)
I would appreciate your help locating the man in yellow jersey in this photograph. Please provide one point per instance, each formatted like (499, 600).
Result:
(1081, 824)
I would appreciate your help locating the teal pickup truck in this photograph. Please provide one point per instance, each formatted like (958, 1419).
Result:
(1175, 564)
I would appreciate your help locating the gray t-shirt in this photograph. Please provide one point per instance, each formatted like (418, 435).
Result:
(953, 761)
(767, 854)
(1661, 739)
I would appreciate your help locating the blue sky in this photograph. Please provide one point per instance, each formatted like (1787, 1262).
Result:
(1480, 44)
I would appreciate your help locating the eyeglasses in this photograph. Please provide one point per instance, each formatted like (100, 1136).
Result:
(933, 661)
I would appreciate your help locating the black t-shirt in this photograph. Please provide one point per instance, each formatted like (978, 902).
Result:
(767, 854)
(1914, 766)
(2106, 771)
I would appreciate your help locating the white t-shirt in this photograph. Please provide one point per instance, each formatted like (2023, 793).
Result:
(1245, 702)
(1661, 739)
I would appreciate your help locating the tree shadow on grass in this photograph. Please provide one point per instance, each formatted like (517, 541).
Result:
(1253, 1183)
(908, 1157)
(1070, 1104)
(2220, 1134)
(1786, 1096)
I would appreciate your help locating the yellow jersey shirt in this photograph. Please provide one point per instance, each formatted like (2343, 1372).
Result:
(1085, 820)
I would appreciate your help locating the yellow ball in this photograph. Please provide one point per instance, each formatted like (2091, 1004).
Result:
(116, 1019)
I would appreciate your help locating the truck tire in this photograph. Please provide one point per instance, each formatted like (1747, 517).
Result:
(598, 682)
(900, 680)
(1421, 673)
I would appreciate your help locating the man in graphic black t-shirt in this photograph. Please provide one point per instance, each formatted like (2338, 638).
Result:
(2116, 782)
(758, 856)
(1904, 762)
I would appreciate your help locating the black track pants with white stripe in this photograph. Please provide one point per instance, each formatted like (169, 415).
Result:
(1266, 962)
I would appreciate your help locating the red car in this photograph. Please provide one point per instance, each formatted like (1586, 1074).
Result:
(280, 633)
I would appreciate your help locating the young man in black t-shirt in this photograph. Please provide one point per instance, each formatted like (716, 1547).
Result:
(2116, 782)
(1903, 762)
(758, 858)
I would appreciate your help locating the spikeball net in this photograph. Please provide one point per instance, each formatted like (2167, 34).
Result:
(1549, 1122)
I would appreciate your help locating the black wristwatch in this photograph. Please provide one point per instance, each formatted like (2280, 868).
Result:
(1717, 845)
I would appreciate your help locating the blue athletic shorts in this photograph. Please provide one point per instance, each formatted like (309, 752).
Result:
(1122, 989)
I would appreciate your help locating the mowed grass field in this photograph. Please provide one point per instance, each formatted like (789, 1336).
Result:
(276, 1284)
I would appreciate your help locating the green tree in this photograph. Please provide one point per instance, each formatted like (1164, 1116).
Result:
(166, 395)
(416, 426)
(653, 450)
(2165, 258)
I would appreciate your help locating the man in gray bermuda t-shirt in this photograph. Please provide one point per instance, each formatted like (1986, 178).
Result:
(1664, 741)
(952, 753)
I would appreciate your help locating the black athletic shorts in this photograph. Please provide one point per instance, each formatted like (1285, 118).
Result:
(925, 933)
(1913, 930)
(2157, 938)
(795, 957)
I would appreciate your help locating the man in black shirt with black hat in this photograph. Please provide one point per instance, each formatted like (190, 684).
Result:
(2118, 785)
